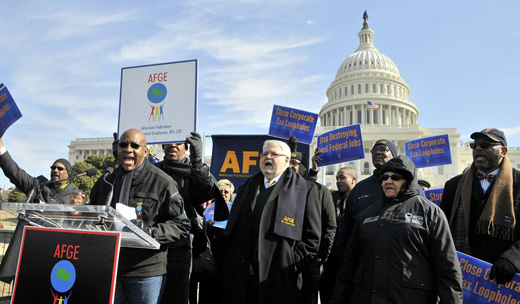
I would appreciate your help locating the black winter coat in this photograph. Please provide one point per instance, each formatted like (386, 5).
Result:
(163, 212)
(401, 251)
(25, 182)
(280, 260)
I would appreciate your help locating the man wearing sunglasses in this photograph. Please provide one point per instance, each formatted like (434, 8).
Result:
(159, 209)
(61, 191)
(273, 232)
(483, 206)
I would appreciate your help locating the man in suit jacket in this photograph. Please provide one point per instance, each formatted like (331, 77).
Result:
(273, 231)
(482, 206)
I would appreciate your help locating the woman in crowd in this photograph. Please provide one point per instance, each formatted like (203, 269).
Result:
(401, 250)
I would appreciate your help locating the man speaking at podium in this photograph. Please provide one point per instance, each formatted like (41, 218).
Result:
(159, 209)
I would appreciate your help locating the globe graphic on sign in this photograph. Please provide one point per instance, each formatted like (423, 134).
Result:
(63, 276)
(157, 93)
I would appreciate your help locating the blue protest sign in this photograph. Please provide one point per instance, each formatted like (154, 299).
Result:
(429, 151)
(237, 157)
(341, 145)
(434, 195)
(287, 122)
(209, 214)
(9, 112)
(478, 288)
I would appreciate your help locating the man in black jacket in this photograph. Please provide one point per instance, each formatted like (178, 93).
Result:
(61, 191)
(196, 186)
(57, 192)
(159, 209)
(483, 206)
(365, 193)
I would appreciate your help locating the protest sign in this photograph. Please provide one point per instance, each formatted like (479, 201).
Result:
(287, 122)
(160, 100)
(478, 288)
(429, 151)
(434, 195)
(341, 145)
(237, 157)
(9, 112)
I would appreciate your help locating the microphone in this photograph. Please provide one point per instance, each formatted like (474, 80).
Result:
(89, 172)
(106, 173)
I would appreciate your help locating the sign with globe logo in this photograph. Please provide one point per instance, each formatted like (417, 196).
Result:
(156, 95)
(63, 276)
(160, 100)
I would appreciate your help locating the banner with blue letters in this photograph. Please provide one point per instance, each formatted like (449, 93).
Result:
(9, 112)
(341, 145)
(237, 157)
(287, 122)
(478, 288)
(429, 151)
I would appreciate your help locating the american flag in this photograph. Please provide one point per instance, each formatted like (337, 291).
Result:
(371, 105)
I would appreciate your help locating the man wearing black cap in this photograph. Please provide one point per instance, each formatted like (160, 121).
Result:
(59, 192)
(482, 205)
(62, 191)
(366, 192)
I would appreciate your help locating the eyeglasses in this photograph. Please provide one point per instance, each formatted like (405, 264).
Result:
(394, 177)
(295, 162)
(483, 145)
(56, 167)
(380, 148)
(134, 146)
(273, 155)
(224, 191)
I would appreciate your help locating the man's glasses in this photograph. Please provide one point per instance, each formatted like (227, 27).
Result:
(394, 177)
(56, 167)
(134, 146)
(382, 149)
(483, 145)
(273, 155)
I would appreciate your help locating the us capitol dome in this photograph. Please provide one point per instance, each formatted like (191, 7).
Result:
(368, 90)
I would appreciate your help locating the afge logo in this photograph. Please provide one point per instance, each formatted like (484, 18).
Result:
(249, 159)
(289, 221)
(414, 219)
(156, 95)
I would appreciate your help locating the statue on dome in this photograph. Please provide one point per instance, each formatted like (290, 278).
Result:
(365, 20)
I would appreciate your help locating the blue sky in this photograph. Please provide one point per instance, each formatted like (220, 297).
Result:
(62, 62)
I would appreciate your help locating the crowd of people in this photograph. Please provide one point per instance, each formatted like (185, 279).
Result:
(285, 238)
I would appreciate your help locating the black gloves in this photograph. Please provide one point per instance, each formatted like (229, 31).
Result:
(195, 142)
(502, 271)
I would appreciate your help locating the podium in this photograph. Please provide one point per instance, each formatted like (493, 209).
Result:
(82, 217)
(76, 246)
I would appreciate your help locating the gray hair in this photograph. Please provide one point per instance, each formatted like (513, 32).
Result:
(273, 142)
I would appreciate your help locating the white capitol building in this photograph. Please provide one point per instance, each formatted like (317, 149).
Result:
(369, 75)
(366, 75)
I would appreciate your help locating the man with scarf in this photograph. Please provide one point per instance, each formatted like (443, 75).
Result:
(196, 186)
(483, 203)
(159, 210)
(273, 231)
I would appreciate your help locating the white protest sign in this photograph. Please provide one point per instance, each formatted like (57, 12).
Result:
(160, 100)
